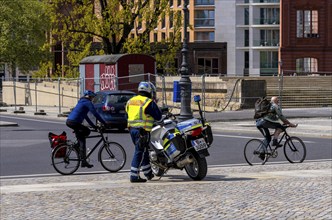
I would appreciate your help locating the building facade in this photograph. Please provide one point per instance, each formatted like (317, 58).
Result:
(306, 36)
(248, 30)
(251, 30)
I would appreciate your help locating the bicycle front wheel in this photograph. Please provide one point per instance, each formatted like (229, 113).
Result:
(112, 156)
(65, 159)
(295, 150)
(254, 152)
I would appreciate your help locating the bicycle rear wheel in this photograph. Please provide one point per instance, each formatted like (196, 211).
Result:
(254, 152)
(295, 150)
(112, 156)
(65, 159)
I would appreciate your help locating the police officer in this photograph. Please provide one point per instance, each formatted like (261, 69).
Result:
(75, 121)
(142, 111)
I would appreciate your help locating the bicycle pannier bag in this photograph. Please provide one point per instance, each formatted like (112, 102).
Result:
(262, 107)
(56, 140)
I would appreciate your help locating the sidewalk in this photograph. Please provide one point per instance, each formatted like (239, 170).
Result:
(279, 191)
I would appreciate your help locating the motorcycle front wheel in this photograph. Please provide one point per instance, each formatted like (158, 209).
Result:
(196, 170)
(157, 171)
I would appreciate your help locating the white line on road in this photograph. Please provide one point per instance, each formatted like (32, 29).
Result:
(127, 171)
(248, 137)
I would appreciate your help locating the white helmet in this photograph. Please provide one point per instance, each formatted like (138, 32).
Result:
(145, 87)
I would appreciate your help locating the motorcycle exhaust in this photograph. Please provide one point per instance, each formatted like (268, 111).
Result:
(188, 159)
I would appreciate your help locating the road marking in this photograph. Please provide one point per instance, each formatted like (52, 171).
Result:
(248, 137)
(127, 171)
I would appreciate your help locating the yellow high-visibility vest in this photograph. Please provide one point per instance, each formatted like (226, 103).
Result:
(135, 109)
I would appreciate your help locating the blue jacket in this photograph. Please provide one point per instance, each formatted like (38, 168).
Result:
(153, 110)
(81, 110)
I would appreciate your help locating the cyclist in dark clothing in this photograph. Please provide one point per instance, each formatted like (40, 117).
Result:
(75, 121)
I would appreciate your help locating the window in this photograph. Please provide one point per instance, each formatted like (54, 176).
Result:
(246, 38)
(307, 64)
(171, 35)
(155, 37)
(208, 65)
(307, 24)
(163, 22)
(246, 59)
(269, 15)
(204, 18)
(268, 59)
(246, 16)
(204, 2)
(163, 36)
(179, 3)
(204, 36)
(171, 3)
(171, 19)
(269, 38)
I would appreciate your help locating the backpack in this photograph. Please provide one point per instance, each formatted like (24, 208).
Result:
(262, 107)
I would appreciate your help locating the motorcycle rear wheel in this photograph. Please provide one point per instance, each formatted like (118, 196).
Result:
(196, 170)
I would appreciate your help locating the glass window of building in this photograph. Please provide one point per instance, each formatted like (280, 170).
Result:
(204, 36)
(307, 23)
(171, 19)
(269, 15)
(269, 62)
(155, 37)
(179, 3)
(204, 2)
(171, 2)
(246, 38)
(207, 66)
(269, 38)
(204, 18)
(246, 16)
(307, 64)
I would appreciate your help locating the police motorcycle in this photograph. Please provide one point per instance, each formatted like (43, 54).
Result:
(180, 145)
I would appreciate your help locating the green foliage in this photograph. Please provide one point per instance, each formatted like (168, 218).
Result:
(109, 22)
(23, 28)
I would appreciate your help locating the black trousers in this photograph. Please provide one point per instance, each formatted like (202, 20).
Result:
(81, 132)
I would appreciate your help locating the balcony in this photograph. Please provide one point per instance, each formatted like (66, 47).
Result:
(266, 43)
(266, 1)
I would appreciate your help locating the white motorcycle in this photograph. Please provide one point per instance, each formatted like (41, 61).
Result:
(180, 145)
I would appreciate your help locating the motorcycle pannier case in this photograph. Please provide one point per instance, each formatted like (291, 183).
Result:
(207, 131)
(173, 144)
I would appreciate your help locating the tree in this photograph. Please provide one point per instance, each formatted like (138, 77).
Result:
(23, 28)
(80, 23)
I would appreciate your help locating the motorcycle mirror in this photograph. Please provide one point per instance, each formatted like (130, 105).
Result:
(197, 98)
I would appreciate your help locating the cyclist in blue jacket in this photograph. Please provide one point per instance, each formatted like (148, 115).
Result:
(75, 121)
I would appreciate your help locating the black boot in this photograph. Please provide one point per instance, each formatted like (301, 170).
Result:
(275, 143)
(86, 164)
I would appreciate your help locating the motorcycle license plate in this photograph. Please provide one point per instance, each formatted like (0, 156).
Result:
(199, 144)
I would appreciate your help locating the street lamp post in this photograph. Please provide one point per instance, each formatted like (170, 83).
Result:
(185, 82)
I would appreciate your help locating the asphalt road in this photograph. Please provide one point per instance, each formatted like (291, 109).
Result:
(25, 149)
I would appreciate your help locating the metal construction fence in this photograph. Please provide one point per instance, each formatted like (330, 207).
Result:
(218, 93)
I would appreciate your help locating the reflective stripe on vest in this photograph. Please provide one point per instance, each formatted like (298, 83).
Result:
(136, 117)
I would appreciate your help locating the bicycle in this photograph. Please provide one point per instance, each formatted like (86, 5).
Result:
(256, 152)
(66, 157)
